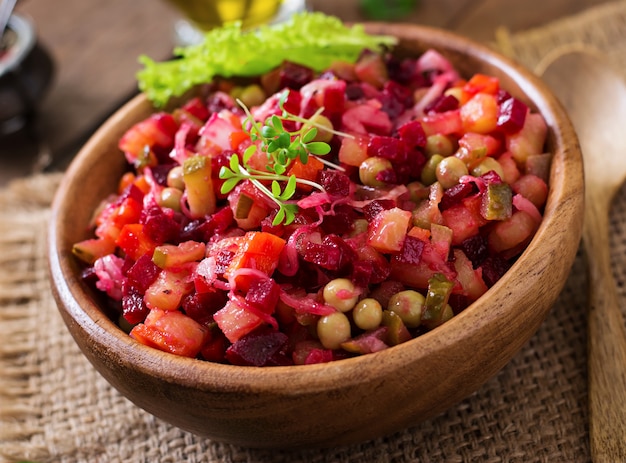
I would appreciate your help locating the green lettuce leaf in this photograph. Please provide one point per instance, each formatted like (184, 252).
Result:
(311, 39)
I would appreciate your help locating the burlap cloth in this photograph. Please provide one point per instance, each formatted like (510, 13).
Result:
(54, 407)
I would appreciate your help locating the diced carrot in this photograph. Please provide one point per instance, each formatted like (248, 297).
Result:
(127, 179)
(419, 233)
(171, 331)
(306, 171)
(258, 250)
(134, 241)
(141, 182)
(237, 138)
(481, 83)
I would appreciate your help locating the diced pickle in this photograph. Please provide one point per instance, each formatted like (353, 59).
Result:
(244, 205)
(398, 332)
(199, 186)
(439, 289)
(497, 202)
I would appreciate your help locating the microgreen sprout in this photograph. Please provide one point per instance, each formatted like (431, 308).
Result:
(282, 149)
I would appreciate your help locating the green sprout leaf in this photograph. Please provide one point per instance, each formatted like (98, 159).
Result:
(282, 148)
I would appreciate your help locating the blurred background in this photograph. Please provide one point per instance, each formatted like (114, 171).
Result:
(86, 58)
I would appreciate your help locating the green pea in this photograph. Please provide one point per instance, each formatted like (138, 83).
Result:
(429, 171)
(449, 171)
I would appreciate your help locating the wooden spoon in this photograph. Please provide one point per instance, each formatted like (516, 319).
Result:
(595, 98)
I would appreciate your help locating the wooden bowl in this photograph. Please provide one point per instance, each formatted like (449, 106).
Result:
(348, 400)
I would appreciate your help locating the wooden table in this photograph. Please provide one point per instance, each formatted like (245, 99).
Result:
(95, 45)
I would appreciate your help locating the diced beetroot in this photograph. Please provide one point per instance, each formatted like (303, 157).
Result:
(292, 104)
(332, 254)
(202, 305)
(411, 252)
(502, 96)
(411, 168)
(442, 104)
(390, 148)
(133, 308)
(160, 171)
(494, 267)
(385, 290)
(362, 272)
(214, 348)
(319, 356)
(294, 75)
(341, 222)
(257, 349)
(388, 177)
(263, 294)
(396, 98)
(204, 230)
(142, 274)
(403, 71)
(196, 107)
(218, 101)
(333, 97)
(370, 261)
(160, 225)
(454, 195)
(354, 91)
(372, 208)
(491, 177)
(511, 115)
(412, 133)
(336, 183)
(475, 248)
(458, 302)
